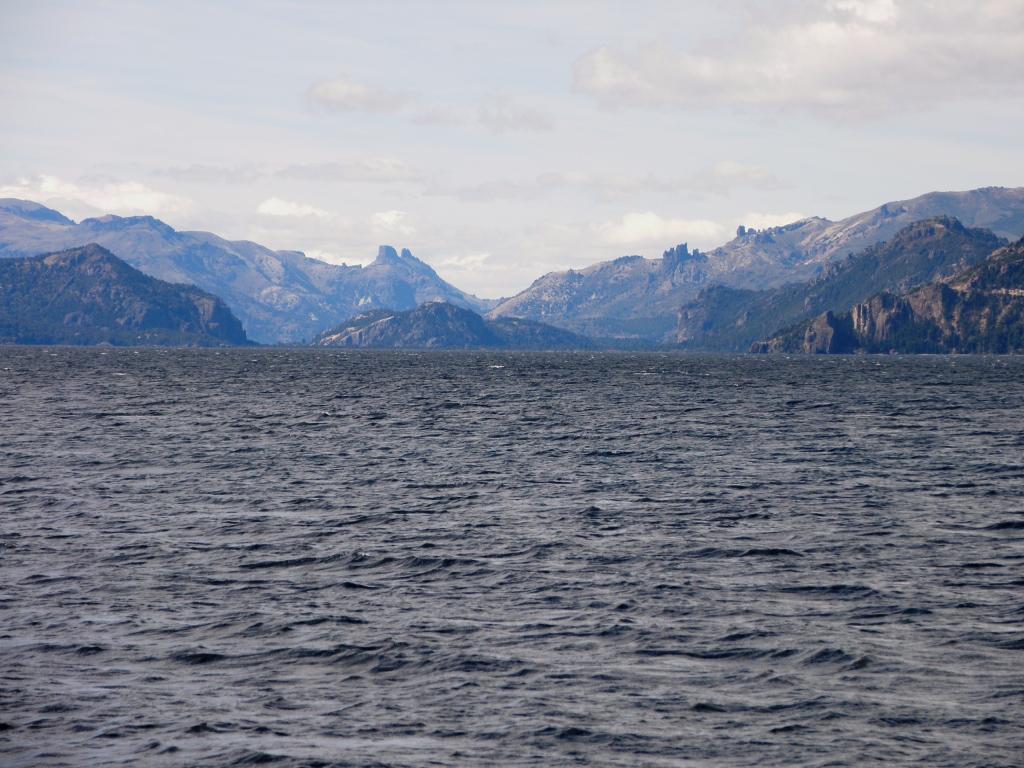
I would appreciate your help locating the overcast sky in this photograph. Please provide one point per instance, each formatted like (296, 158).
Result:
(501, 140)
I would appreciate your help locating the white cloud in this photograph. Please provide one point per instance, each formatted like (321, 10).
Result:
(721, 178)
(847, 58)
(467, 261)
(333, 257)
(607, 186)
(329, 256)
(343, 94)
(765, 220)
(125, 198)
(275, 206)
(498, 114)
(502, 114)
(376, 170)
(217, 174)
(391, 222)
(727, 175)
(875, 11)
(638, 228)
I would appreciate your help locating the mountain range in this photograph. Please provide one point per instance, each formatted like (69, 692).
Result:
(729, 319)
(978, 310)
(440, 325)
(280, 296)
(89, 296)
(634, 297)
(722, 299)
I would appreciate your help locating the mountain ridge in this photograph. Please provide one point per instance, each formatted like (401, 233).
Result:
(281, 296)
(754, 259)
(728, 319)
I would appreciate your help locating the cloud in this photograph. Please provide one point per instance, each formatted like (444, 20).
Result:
(765, 220)
(467, 261)
(498, 114)
(502, 114)
(376, 170)
(218, 174)
(97, 195)
(608, 186)
(728, 175)
(275, 206)
(844, 58)
(332, 257)
(391, 222)
(373, 170)
(722, 178)
(875, 11)
(343, 94)
(646, 227)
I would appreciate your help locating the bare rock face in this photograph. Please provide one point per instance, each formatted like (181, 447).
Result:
(979, 310)
(828, 335)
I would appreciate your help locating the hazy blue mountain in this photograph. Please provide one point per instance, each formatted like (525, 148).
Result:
(979, 310)
(440, 325)
(639, 298)
(730, 319)
(280, 296)
(630, 297)
(89, 296)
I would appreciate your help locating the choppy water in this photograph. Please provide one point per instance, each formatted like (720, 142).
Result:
(317, 558)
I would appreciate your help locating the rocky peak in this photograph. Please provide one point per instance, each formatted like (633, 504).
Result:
(680, 254)
(386, 254)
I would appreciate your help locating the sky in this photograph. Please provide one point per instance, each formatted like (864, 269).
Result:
(499, 141)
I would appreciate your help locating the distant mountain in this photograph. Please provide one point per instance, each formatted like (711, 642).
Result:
(89, 296)
(639, 298)
(722, 318)
(280, 296)
(440, 325)
(980, 310)
(630, 297)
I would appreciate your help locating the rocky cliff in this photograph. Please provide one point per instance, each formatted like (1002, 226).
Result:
(980, 310)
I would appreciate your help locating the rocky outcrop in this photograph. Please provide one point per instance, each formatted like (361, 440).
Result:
(980, 310)
(440, 325)
(89, 296)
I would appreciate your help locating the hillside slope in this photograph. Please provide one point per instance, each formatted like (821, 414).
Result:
(89, 296)
(440, 325)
